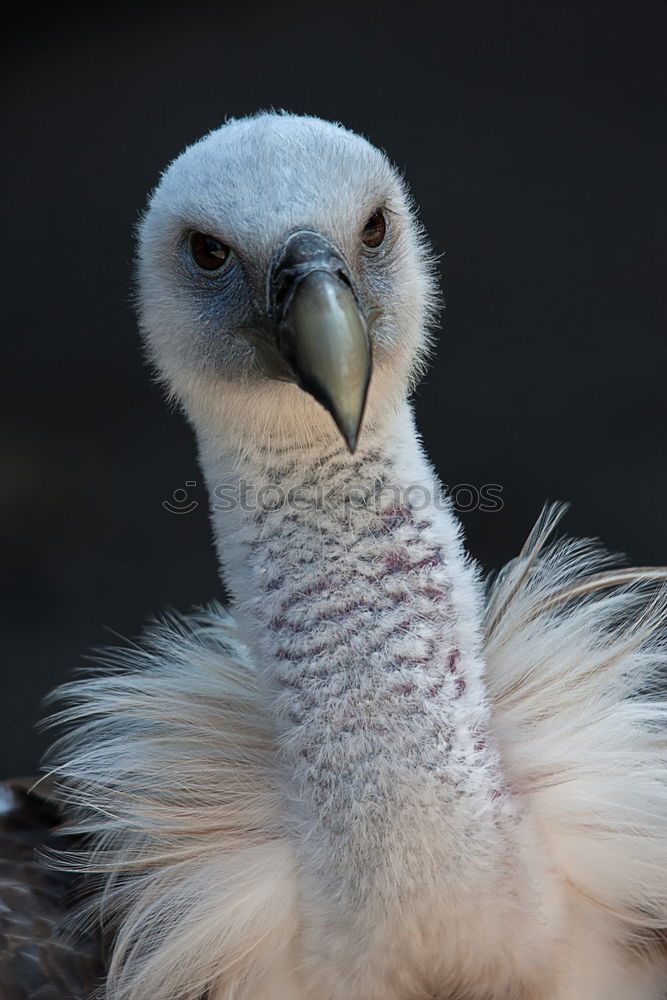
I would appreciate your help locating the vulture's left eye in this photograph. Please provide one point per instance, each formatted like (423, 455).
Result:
(208, 252)
(374, 231)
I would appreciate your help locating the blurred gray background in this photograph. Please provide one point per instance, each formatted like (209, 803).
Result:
(530, 134)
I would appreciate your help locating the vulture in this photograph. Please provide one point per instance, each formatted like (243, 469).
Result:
(374, 775)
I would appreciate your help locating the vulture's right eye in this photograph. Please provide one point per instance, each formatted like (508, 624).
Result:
(208, 252)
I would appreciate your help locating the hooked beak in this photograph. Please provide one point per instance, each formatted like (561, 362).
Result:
(319, 330)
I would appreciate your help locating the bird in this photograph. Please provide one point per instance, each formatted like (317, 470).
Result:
(375, 774)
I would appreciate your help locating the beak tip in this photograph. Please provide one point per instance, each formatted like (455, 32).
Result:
(351, 443)
(350, 432)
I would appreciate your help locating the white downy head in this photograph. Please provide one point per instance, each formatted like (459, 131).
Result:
(233, 227)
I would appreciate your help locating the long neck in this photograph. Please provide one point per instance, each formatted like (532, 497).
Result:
(352, 591)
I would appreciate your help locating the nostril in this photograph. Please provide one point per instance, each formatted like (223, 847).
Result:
(281, 289)
(343, 276)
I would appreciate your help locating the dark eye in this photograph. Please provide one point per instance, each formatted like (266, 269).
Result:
(374, 230)
(208, 252)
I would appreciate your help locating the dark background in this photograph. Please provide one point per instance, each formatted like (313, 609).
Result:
(530, 134)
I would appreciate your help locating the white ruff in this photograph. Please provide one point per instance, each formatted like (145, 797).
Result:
(333, 798)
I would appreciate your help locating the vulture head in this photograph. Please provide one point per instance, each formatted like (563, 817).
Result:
(284, 281)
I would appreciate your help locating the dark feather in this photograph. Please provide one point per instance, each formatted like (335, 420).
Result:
(38, 960)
